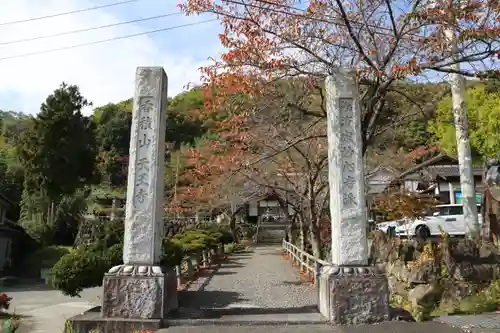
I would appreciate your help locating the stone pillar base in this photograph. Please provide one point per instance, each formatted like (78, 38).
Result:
(353, 295)
(133, 291)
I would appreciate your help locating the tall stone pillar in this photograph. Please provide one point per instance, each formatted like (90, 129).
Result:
(351, 292)
(140, 288)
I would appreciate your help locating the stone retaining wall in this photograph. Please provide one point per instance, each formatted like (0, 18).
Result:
(447, 270)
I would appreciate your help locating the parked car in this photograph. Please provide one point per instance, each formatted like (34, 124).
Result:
(447, 218)
(388, 226)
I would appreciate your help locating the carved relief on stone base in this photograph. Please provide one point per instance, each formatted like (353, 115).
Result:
(353, 295)
(139, 293)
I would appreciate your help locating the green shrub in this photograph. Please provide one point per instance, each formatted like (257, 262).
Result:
(44, 257)
(227, 236)
(223, 234)
(114, 255)
(78, 270)
(172, 253)
(195, 240)
(84, 268)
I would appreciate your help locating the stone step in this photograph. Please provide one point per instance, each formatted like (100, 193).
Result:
(271, 236)
(392, 327)
(269, 242)
(235, 316)
(272, 227)
(276, 328)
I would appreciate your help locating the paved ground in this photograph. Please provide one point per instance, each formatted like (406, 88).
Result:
(254, 292)
(480, 323)
(44, 310)
(380, 328)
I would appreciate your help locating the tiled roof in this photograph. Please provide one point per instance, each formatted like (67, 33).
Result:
(449, 169)
(452, 170)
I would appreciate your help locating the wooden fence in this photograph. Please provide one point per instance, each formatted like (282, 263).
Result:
(306, 262)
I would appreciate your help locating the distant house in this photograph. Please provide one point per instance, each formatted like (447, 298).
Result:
(252, 206)
(440, 176)
(260, 205)
(377, 180)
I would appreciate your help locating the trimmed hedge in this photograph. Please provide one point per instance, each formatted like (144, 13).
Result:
(78, 270)
(85, 268)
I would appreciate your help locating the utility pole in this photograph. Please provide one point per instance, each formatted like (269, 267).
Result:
(457, 83)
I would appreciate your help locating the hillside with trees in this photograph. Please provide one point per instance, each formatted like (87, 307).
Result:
(55, 163)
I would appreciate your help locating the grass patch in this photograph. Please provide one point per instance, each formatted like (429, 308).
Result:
(487, 300)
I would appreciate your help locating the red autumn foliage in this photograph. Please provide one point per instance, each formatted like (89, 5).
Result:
(267, 40)
(423, 153)
(397, 205)
(271, 40)
(5, 301)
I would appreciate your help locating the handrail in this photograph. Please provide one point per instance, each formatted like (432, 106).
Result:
(307, 262)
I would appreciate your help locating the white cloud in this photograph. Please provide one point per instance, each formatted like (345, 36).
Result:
(104, 72)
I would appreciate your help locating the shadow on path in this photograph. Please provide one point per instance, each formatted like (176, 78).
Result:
(208, 299)
(25, 285)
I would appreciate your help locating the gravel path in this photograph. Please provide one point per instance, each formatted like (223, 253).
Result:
(257, 279)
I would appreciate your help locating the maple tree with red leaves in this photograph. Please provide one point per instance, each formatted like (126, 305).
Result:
(395, 205)
(298, 174)
(209, 179)
(422, 153)
(279, 53)
(385, 40)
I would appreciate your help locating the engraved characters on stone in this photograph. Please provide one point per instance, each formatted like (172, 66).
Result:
(347, 152)
(146, 106)
(355, 298)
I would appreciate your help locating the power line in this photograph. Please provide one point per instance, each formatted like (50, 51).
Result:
(87, 29)
(68, 13)
(105, 40)
(315, 19)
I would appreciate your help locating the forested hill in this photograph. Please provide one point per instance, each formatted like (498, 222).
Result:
(99, 143)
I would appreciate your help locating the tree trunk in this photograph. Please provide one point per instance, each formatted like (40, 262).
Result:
(302, 238)
(315, 238)
(485, 210)
(457, 84)
(314, 235)
(292, 230)
(232, 227)
(491, 219)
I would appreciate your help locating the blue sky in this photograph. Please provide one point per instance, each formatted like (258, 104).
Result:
(104, 72)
